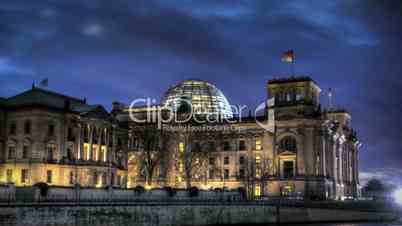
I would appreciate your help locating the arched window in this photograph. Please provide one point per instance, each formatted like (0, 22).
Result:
(11, 151)
(13, 128)
(288, 144)
(27, 127)
(86, 133)
(70, 154)
(95, 136)
(51, 151)
(26, 149)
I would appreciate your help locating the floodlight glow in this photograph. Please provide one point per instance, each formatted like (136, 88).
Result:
(398, 196)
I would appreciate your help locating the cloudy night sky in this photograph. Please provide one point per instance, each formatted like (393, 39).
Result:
(122, 50)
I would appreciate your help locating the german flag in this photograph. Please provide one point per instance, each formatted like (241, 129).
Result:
(288, 56)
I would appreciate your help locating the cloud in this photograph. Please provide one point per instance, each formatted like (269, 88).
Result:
(386, 175)
(93, 29)
(7, 66)
(139, 48)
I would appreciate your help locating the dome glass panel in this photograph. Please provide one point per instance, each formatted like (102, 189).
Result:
(204, 98)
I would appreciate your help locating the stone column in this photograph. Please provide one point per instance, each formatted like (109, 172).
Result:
(334, 163)
(99, 134)
(90, 142)
(79, 142)
(355, 171)
(340, 168)
(323, 156)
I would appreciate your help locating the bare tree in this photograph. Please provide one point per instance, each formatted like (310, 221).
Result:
(193, 158)
(247, 177)
(252, 174)
(152, 145)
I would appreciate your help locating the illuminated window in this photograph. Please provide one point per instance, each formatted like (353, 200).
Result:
(181, 147)
(257, 159)
(71, 177)
(287, 190)
(258, 145)
(258, 173)
(181, 167)
(86, 151)
(95, 154)
(49, 176)
(51, 149)
(257, 190)
(104, 153)
(9, 176)
(24, 176)
(101, 154)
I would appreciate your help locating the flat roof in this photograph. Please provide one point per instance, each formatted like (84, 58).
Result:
(291, 79)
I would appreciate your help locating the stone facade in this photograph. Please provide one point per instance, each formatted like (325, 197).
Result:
(59, 140)
(296, 148)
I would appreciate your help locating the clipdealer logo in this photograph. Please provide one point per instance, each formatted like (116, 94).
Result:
(164, 115)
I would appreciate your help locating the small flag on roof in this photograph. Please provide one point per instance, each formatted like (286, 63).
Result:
(288, 56)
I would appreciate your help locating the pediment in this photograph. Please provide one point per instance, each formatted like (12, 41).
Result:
(97, 112)
(285, 152)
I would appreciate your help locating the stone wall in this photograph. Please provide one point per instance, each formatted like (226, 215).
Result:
(62, 194)
(175, 215)
(7, 193)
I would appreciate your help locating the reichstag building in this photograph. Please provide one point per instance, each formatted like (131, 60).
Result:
(194, 138)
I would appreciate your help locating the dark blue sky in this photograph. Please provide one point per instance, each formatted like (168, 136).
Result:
(122, 50)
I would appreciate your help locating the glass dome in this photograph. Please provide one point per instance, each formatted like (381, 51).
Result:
(203, 97)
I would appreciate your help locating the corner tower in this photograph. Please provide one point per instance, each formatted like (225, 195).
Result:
(293, 97)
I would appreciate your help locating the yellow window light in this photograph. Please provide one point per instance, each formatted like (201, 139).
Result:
(258, 173)
(258, 146)
(181, 147)
(257, 159)
(257, 190)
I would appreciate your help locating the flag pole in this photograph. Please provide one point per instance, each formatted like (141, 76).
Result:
(292, 68)
(330, 98)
